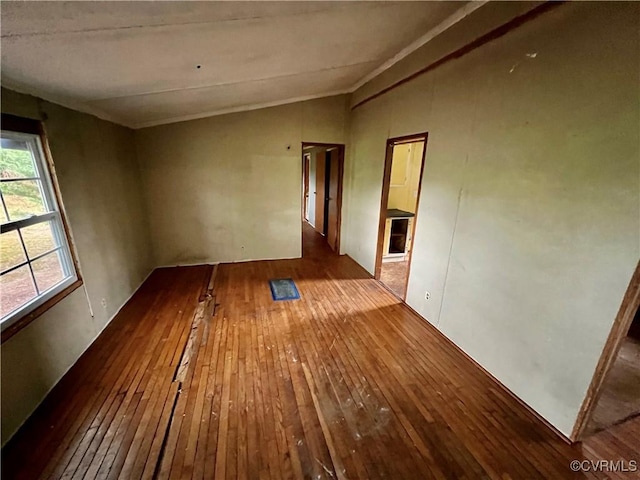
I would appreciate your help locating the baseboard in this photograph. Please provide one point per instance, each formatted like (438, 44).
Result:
(363, 269)
(76, 360)
(263, 259)
(114, 316)
(244, 260)
(174, 265)
(451, 343)
(498, 383)
(426, 323)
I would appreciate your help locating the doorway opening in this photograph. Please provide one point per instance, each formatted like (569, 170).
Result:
(322, 172)
(614, 394)
(402, 181)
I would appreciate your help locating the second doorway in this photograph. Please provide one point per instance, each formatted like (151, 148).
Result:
(400, 196)
(322, 190)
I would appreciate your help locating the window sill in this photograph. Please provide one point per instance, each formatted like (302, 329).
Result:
(31, 316)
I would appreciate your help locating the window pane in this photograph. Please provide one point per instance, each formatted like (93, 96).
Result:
(11, 251)
(48, 271)
(38, 238)
(21, 159)
(16, 289)
(23, 198)
(16, 160)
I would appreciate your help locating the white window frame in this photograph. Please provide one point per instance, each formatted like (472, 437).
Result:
(52, 215)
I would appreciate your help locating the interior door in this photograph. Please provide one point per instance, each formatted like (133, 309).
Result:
(306, 187)
(320, 191)
(332, 199)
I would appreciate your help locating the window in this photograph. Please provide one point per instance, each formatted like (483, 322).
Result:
(36, 263)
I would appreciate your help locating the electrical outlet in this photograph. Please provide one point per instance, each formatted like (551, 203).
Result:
(103, 302)
(427, 295)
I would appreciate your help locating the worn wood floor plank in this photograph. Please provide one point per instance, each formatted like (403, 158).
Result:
(344, 383)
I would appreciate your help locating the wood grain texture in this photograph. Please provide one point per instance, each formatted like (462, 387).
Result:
(626, 313)
(321, 194)
(346, 383)
(333, 203)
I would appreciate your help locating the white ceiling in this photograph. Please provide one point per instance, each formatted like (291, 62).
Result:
(135, 63)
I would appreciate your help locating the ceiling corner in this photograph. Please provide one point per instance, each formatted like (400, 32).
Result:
(447, 23)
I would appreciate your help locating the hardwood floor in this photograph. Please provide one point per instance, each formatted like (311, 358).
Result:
(620, 398)
(344, 383)
(394, 276)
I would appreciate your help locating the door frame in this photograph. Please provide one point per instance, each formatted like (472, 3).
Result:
(621, 324)
(306, 165)
(341, 153)
(386, 180)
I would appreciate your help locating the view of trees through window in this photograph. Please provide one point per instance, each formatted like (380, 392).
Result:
(30, 259)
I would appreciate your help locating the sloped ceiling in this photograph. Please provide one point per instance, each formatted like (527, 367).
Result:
(147, 63)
